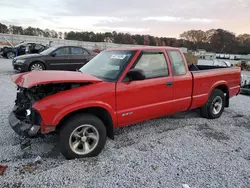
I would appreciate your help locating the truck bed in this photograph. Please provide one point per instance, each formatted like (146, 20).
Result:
(194, 68)
(206, 78)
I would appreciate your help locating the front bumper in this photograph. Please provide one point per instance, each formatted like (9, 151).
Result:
(20, 67)
(22, 128)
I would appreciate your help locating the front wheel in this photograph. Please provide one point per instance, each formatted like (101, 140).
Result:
(10, 55)
(37, 66)
(83, 135)
(214, 106)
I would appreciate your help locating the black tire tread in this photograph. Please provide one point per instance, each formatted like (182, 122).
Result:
(206, 111)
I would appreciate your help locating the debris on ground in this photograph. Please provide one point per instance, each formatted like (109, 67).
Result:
(25, 144)
(185, 186)
(31, 167)
(38, 160)
(2, 169)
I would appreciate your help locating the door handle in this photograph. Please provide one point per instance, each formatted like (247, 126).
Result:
(169, 83)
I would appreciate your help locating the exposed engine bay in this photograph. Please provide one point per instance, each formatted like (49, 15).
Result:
(26, 97)
(41, 91)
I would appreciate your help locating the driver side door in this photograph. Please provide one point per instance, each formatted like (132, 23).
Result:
(146, 99)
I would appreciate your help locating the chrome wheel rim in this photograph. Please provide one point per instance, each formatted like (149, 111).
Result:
(217, 105)
(36, 67)
(84, 139)
(11, 55)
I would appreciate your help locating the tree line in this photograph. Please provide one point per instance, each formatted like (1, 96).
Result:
(213, 40)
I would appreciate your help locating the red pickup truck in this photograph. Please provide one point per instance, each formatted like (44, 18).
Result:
(116, 88)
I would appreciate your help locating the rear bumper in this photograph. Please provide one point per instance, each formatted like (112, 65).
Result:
(21, 128)
(245, 90)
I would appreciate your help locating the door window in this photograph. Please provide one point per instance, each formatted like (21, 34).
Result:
(153, 64)
(62, 51)
(177, 62)
(78, 51)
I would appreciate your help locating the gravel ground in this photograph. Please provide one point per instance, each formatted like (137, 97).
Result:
(166, 152)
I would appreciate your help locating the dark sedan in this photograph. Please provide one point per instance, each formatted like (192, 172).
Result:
(54, 58)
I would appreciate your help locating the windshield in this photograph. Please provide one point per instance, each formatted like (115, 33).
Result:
(48, 51)
(107, 65)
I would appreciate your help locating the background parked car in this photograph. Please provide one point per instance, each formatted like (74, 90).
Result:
(54, 58)
(21, 49)
(215, 62)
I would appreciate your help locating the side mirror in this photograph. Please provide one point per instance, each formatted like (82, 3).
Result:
(53, 54)
(136, 74)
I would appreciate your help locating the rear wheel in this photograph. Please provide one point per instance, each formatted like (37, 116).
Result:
(214, 106)
(83, 135)
(37, 66)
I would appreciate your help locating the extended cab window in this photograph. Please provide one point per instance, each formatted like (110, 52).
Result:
(177, 62)
(153, 64)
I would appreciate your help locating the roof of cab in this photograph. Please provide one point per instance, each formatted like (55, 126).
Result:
(143, 48)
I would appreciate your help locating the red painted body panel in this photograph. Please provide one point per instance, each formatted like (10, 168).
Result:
(30, 79)
(182, 92)
(205, 81)
(143, 100)
(129, 102)
(55, 107)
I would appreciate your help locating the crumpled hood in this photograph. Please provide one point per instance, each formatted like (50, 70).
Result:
(31, 79)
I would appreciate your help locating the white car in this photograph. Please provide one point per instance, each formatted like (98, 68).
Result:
(215, 62)
(223, 63)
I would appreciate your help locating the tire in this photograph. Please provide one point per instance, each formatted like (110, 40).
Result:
(36, 66)
(214, 106)
(10, 55)
(79, 124)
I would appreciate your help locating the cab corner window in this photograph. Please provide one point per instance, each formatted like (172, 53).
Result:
(177, 62)
(153, 64)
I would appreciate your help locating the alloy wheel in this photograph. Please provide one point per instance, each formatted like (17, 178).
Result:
(84, 139)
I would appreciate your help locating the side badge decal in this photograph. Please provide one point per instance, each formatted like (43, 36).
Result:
(127, 114)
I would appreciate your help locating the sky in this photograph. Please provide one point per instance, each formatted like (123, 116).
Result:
(163, 18)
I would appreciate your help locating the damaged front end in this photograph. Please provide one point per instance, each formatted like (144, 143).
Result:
(25, 120)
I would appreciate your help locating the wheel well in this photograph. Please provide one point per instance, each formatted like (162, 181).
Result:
(224, 88)
(101, 113)
(37, 62)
